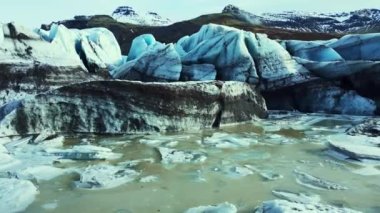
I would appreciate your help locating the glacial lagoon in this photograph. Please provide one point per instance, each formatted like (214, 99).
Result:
(242, 164)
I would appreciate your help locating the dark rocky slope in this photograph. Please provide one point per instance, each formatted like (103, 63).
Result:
(125, 32)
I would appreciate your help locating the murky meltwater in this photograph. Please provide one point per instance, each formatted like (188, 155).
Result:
(244, 164)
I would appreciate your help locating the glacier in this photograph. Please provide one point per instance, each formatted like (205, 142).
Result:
(97, 47)
(236, 55)
(140, 44)
(358, 47)
(224, 47)
(159, 62)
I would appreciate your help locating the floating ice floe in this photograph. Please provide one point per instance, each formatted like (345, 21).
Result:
(220, 208)
(169, 156)
(39, 173)
(284, 206)
(369, 127)
(316, 183)
(84, 152)
(304, 198)
(149, 179)
(356, 147)
(16, 195)
(266, 174)
(105, 176)
(227, 141)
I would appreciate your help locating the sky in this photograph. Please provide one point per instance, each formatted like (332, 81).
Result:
(33, 13)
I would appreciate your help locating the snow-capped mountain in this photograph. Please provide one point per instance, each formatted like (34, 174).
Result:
(366, 20)
(127, 14)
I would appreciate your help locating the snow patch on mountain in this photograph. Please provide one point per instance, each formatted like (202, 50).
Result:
(128, 14)
(365, 20)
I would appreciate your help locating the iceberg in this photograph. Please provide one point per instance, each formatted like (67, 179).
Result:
(97, 47)
(358, 47)
(312, 51)
(159, 62)
(140, 45)
(224, 47)
(16, 195)
(198, 72)
(273, 61)
(332, 99)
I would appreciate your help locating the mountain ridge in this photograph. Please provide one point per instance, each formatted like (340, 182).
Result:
(364, 20)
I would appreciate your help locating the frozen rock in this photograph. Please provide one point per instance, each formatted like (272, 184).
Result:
(297, 197)
(84, 152)
(283, 206)
(315, 182)
(105, 176)
(198, 72)
(222, 46)
(358, 47)
(169, 156)
(369, 128)
(16, 195)
(152, 61)
(220, 208)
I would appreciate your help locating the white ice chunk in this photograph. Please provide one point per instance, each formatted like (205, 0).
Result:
(169, 156)
(16, 195)
(220, 208)
(105, 177)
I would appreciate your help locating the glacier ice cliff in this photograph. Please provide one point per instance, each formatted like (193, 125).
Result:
(69, 80)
